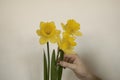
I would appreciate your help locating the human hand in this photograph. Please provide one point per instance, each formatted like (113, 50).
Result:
(73, 62)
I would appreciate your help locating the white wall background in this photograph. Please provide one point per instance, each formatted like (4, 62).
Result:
(21, 54)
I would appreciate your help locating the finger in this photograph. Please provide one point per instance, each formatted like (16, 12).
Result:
(66, 58)
(58, 63)
(67, 65)
(71, 60)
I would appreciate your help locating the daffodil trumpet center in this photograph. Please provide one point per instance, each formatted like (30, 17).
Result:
(48, 30)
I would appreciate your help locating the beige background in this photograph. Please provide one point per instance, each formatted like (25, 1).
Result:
(21, 54)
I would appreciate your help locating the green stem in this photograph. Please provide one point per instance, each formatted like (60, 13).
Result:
(48, 59)
(60, 68)
(57, 54)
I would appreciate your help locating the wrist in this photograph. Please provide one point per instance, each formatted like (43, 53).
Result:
(90, 76)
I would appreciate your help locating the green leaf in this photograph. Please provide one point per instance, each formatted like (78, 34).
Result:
(60, 68)
(45, 67)
(53, 67)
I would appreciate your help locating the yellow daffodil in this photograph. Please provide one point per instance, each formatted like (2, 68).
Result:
(67, 44)
(48, 32)
(72, 27)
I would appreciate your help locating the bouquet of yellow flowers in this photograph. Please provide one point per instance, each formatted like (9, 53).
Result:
(66, 43)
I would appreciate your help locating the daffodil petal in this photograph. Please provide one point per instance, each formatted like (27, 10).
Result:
(43, 40)
(38, 32)
(42, 24)
(58, 32)
(78, 33)
(53, 40)
(52, 24)
(64, 46)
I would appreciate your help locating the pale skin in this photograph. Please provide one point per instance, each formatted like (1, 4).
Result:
(73, 62)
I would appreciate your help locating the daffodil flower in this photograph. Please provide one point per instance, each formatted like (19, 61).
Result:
(48, 32)
(67, 44)
(72, 28)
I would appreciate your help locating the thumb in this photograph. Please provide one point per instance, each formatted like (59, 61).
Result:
(67, 65)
